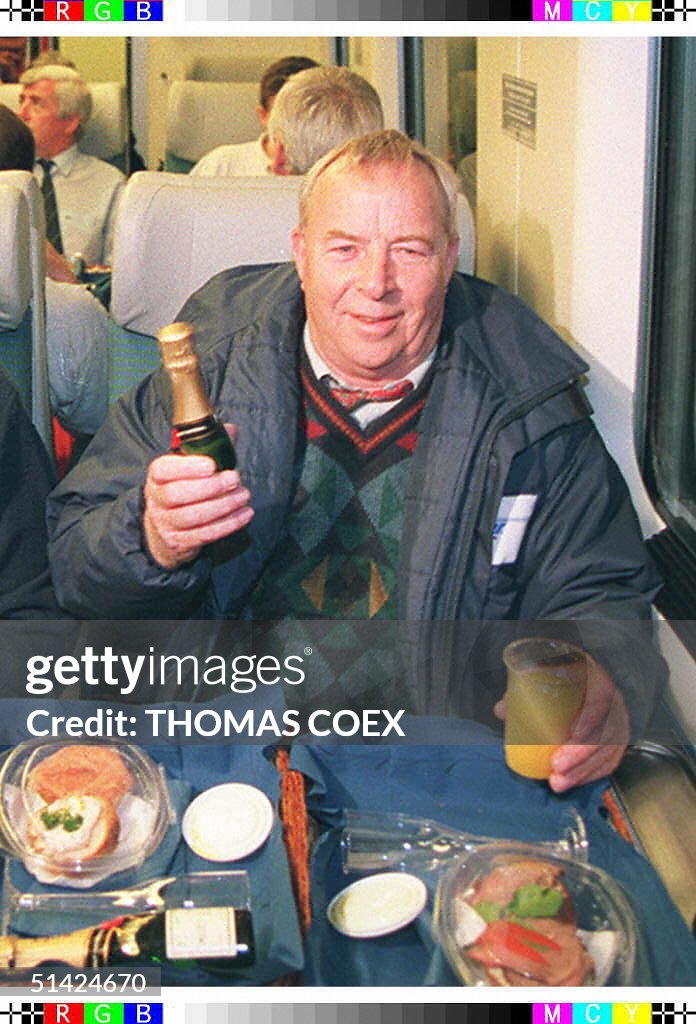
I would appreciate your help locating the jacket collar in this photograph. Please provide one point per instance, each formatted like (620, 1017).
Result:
(486, 329)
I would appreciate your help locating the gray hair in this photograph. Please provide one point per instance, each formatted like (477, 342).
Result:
(72, 92)
(320, 108)
(386, 147)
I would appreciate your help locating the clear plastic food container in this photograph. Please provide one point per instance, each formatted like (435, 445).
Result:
(77, 811)
(514, 914)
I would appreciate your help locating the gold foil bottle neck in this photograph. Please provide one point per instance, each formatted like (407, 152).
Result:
(189, 400)
(176, 346)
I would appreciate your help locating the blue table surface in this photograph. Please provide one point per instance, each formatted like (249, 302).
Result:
(460, 779)
(456, 775)
(190, 769)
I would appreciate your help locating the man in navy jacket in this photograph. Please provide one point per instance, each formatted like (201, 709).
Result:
(478, 489)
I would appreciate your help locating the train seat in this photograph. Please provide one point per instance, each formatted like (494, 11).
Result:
(466, 226)
(29, 345)
(203, 115)
(463, 102)
(173, 233)
(15, 290)
(106, 132)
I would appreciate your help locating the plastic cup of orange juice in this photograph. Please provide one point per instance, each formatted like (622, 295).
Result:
(546, 681)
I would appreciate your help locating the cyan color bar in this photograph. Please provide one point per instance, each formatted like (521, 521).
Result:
(592, 1013)
(592, 10)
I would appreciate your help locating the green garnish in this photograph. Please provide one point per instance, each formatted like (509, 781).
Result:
(70, 822)
(51, 818)
(489, 910)
(535, 901)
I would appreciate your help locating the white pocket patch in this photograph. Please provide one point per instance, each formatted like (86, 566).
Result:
(510, 525)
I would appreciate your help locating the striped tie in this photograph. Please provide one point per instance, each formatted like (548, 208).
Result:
(354, 398)
(50, 206)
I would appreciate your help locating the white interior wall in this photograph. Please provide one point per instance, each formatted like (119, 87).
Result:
(437, 115)
(561, 224)
(99, 59)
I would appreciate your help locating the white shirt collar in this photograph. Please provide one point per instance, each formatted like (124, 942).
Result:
(65, 161)
(320, 368)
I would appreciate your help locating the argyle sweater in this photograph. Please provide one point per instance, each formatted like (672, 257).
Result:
(339, 555)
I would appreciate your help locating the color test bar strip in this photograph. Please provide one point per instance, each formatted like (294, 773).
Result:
(444, 1013)
(55, 1012)
(548, 11)
(360, 10)
(16, 1011)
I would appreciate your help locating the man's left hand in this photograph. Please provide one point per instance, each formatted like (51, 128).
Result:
(599, 736)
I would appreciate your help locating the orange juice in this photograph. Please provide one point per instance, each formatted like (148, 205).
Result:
(546, 690)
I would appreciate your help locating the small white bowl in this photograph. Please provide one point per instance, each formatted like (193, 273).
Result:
(228, 822)
(377, 905)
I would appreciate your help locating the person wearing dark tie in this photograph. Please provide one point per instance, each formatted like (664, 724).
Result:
(81, 193)
(77, 327)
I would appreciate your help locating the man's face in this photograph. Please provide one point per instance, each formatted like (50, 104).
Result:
(38, 108)
(12, 56)
(374, 259)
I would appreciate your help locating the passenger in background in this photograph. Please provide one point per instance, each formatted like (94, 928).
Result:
(135, 161)
(77, 327)
(81, 193)
(316, 110)
(27, 477)
(13, 53)
(253, 158)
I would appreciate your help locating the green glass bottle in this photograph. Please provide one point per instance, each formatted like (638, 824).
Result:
(196, 428)
(221, 939)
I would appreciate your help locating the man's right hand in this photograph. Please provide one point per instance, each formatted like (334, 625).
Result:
(57, 267)
(188, 504)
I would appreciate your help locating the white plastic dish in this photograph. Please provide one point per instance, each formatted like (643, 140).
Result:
(145, 812)
(377, 905)
(603, 917)
(228, 822)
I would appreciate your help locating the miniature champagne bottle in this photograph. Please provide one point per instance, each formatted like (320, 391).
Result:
(218, 938)
(196, 428)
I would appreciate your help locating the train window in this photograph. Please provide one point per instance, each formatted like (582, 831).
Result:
(669, 429)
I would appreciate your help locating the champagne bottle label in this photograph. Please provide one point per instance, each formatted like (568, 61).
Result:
(200, 932)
